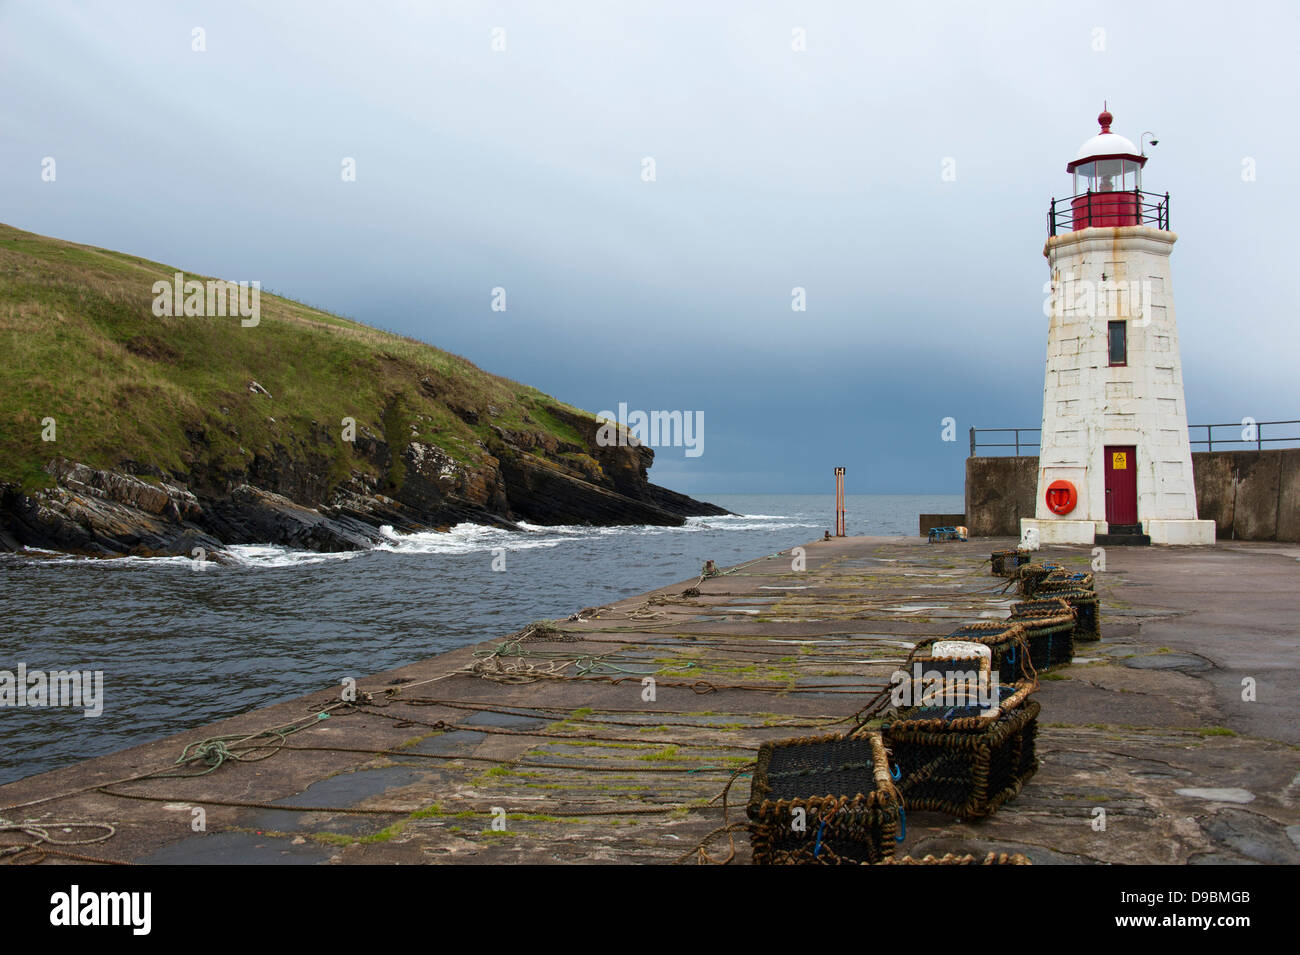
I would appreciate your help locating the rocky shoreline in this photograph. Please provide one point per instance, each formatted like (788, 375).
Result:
(283, 499)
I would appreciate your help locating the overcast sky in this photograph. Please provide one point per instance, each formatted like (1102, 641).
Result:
(774, 168)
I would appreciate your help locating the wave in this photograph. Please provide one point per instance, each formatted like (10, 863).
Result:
(39, 556)
(760, 526)
(275, 555)
(478, 538)
(460, 539)
(745, 517)
(470, 538)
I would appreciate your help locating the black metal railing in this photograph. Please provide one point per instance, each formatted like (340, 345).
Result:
(1251, 436)
(1103, 209)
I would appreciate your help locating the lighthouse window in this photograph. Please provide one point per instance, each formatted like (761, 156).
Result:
(1118, 343)
(1083, 178)
(1110, 175)
(1106, 175)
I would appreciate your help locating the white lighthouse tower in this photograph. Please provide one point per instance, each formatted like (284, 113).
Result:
(1115, 462)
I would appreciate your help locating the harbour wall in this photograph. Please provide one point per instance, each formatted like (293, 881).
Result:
(1250, 495)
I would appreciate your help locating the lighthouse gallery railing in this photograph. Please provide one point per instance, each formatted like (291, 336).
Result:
(1108, 209)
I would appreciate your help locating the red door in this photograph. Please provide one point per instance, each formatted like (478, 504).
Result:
(1121, 484)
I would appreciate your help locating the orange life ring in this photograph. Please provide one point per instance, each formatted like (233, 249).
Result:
(1061, 496)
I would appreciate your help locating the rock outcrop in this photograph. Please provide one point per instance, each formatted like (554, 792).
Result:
(527, 477)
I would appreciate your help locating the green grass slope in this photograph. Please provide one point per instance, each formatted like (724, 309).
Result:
(173, 395)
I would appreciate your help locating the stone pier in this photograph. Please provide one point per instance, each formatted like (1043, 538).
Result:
(550, 747)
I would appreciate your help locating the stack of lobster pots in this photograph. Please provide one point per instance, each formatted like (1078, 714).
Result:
(1045, 584)
(956, 734)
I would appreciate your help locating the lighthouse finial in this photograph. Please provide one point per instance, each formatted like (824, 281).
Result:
(1105, 119)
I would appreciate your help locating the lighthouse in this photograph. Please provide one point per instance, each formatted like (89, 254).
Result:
(1115, 461)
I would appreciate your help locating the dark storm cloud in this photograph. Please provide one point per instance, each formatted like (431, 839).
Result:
(774, 169)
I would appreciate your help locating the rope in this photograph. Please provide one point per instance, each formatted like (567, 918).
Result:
(215, 751)
(710, 571)
(540, 711)
(496, 761)
(504, 731)
(545, 810)
(36, 854)
(727, 828)
(40, 831)
(46, 843)
(699, 851)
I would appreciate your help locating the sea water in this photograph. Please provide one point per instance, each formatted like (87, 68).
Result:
(180, 647)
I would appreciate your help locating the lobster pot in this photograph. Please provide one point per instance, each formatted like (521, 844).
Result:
(1058, 581)
(1029, 577)
(823, 800)
(1006, 562)
(993, 858)
(1004, 639)
(965, 767)
(948, 676)
(1084, 603)
(1050, 638)
(1039, 607)
(1087, 613)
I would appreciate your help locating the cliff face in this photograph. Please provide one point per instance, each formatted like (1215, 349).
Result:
(126, 432)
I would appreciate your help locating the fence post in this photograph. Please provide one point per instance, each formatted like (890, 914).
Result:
(972, 442)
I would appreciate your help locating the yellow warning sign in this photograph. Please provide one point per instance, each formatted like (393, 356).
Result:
(1119, 460)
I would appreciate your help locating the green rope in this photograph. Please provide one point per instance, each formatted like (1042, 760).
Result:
(587, 664)
(597, 664)
(215, 751)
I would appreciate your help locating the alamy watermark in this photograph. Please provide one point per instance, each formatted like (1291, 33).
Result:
(657, 429)
(128, 909)
(214, 298)
(1098, 299)
(924, 687)
(39, 688)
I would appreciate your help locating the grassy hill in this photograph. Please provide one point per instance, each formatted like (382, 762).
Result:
(211, 405)
(82, 346)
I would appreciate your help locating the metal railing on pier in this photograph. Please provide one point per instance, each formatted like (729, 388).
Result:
(1250, 434)
(1016, 443)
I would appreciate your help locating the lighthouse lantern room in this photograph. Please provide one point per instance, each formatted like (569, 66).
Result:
(1115, 462)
